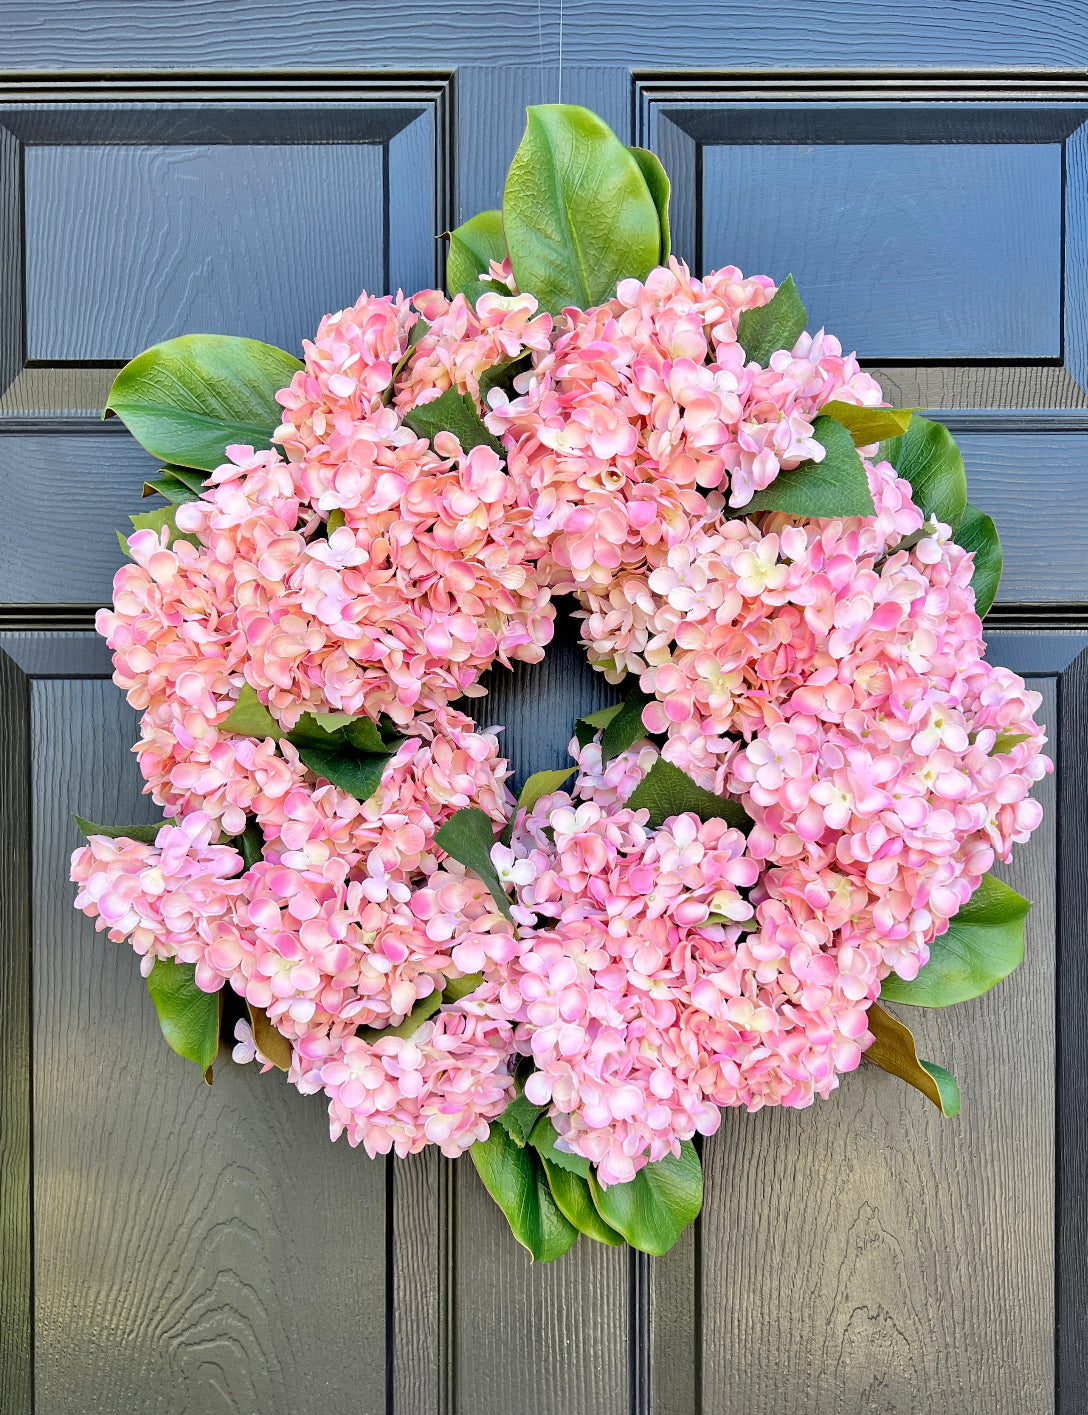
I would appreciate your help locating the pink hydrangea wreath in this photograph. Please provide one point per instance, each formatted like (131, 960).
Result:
(810, 777)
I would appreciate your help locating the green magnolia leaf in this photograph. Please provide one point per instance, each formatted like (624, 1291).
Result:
(667, 791)
(452, 412)
(172, 487)
(894, 1051)
(836, 487)
(157, 519)
(473, 246)
(358, 773)
(926, 456)
(1006, 741)
(189, 1017)
(654, 1208)
(543, 1138)
(575, 1202)
(468, 836)
(144, 833)
(424, 1008)
(272, 1044)
(869, 425)
(249, 717)
(515, 1179)
(657, 180)
(776, 325)
(984, 943)
(625, 727)
(976, 532)
(519, 1118)
(541, 783)
(189, 399)
(577, 213)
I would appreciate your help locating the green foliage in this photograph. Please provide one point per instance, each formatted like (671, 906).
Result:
(894, 1051)
(358, 773)
(926, 456)
(835, 487)
(157, 519)
(977, 533)
(984, 943)
(660, 188)
(577, 213)
(624, 728)
(468, 836)
(514, 1177)
(574, 1200)
(776, 325)
(519, 1118)
(452, 412)
(144, 833)
(189, 1017)
(543, 1138)
(188, 399)
(869, 425)
(541, 783)
(473, 246)
(654, 1208)
(249, 717)
(667, 791)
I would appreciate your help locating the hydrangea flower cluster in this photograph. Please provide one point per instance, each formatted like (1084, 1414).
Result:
(827, 675)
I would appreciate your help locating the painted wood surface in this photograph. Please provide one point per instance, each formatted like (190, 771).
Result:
(170, 1248)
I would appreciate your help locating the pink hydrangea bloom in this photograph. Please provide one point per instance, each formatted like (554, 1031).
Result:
(831, 682)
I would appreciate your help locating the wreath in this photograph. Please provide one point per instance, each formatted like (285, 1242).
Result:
(787, 819)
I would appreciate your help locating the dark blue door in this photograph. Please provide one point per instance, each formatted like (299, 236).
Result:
(243, 167)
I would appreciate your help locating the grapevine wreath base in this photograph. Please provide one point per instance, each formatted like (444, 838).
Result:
(791, 813)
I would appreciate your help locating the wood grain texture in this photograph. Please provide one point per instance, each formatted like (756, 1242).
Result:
(906, 251)
(536, 1337)
(16, 1238)
(206, 233)
(199, 1250)
(1072, 1098)
(1019, 386)
(420, 1286)
(82, 486)
(847, 33)
(868, 1257)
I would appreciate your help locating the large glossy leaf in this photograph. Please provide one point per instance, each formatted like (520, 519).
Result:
(776, 325)
(358, 773)
(667, 791)
(270, 1042)
(189, 399)
(452, 412)
(515, 1179)
(835, 487)
(144, 833)
(984, 943)
(473, 246)
(543, 1139)
(625, 728)
(869, 425)
(894, 1051)
(927, 457)
(189, 1017)
(575, 1202)
(577, 213)
(174, 483)
(469, 836)
(654, 1208)
(657, 180)
(976, 532)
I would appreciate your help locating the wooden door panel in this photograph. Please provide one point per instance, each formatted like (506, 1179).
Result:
(169, 1247)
